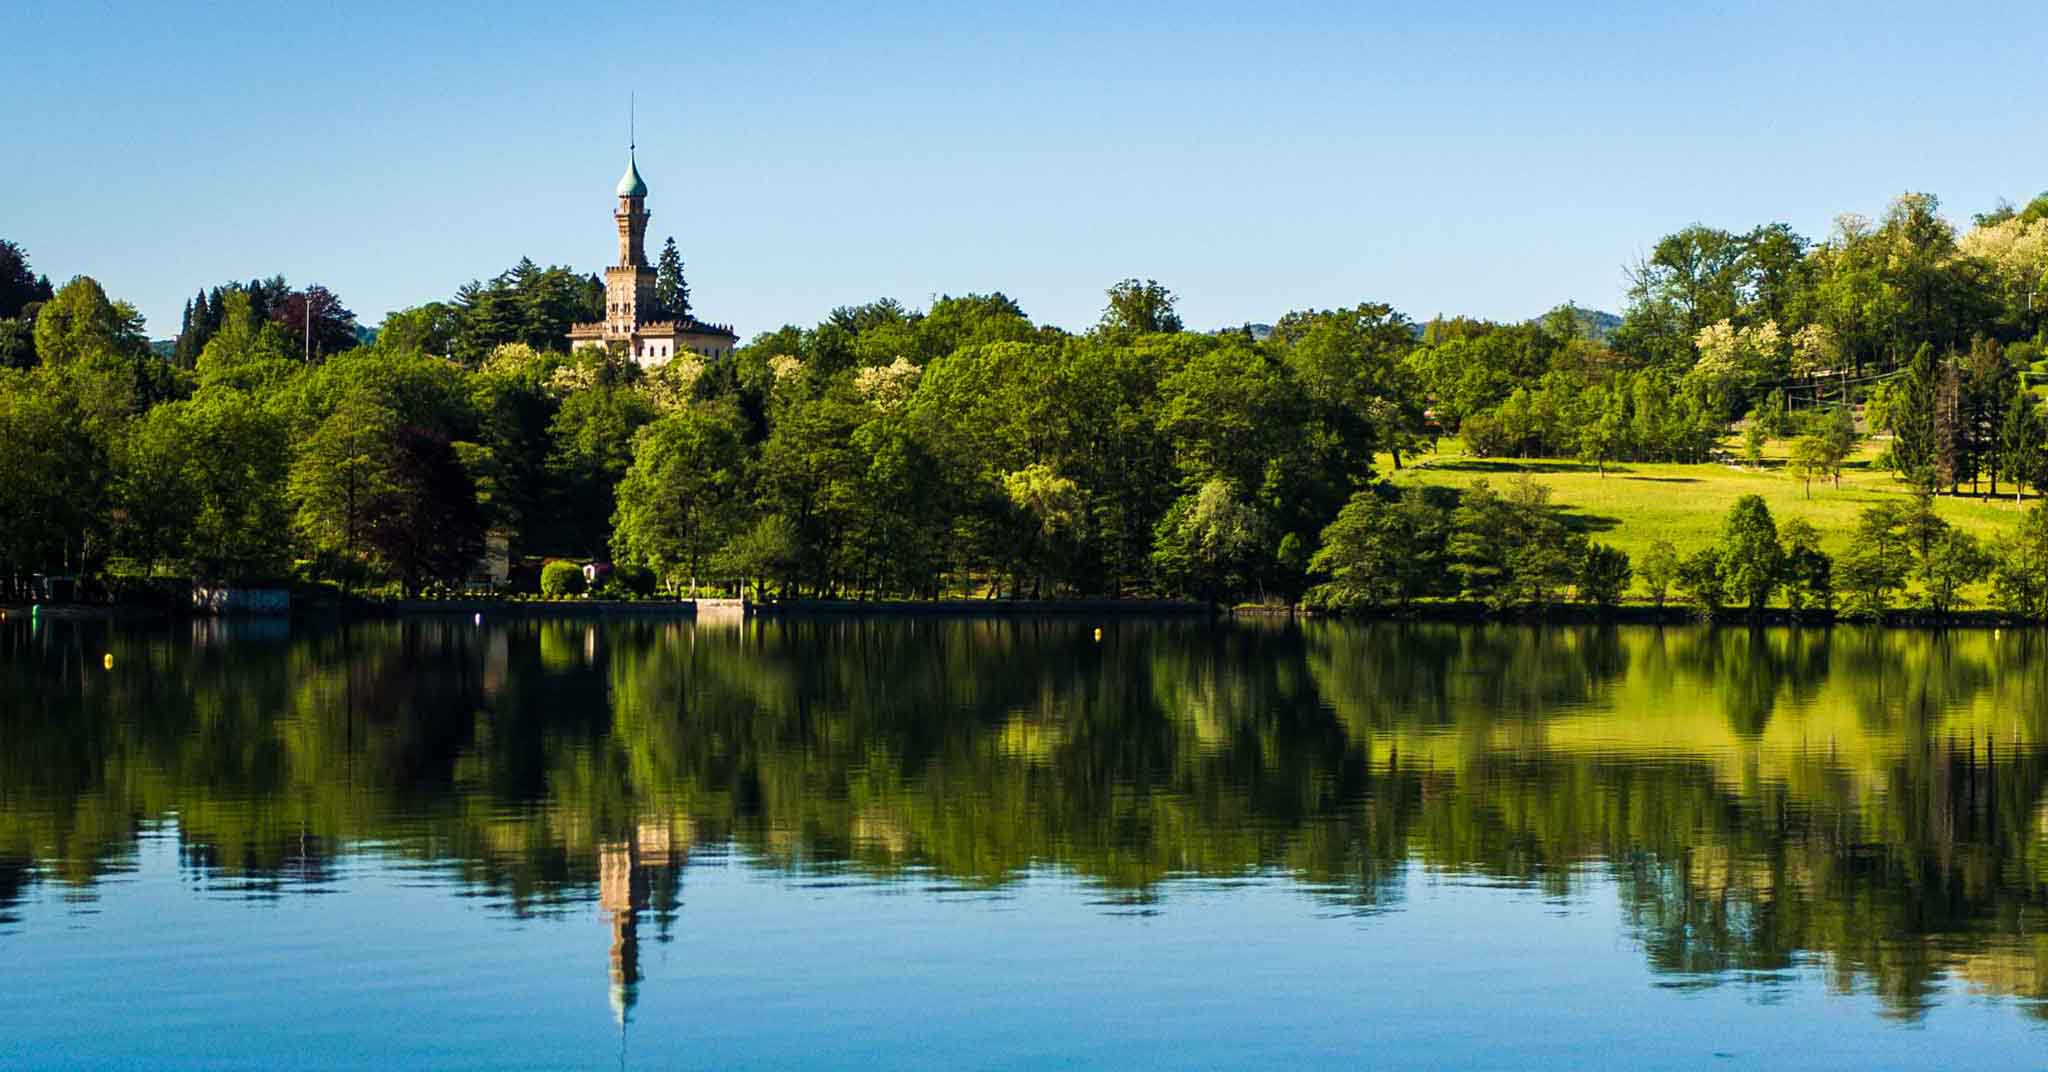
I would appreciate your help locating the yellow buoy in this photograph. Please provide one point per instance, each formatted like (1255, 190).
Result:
(108, 662)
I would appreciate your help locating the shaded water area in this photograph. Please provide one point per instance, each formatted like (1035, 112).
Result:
(1018, 843)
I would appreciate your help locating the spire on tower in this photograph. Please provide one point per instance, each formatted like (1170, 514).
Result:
(630, 184)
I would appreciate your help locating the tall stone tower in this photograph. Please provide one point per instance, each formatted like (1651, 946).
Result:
(629, 284)
(633, 320)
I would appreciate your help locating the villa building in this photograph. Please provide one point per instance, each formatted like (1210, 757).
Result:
(632, 317)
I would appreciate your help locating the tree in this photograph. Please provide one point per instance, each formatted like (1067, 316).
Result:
(1691, 279)
(17, 344)
(1912, 417)
(1379, 553)
(1699, 577)
(1205, 543)
(1603, 575)
(19, 286)
(1840, 440)
(679, 499)
(591, 447)
(1776, 419)
(763, 554)
(1047, 508)
(242, 351)
(424, 523)
(1919, 524)
(1810, 458)
(1604, 430)
(1751, 559)
(2019, 572)
(1140, 307)
(671, 290)
(525, 303)
(79, 324)
(1659, 571)
(1953, 561)
(1511, 550)
(316, 308)
(1808, 572)
(51, 487)
(1953, 460)
(201, 485)
(341, 474)
(1877, 563)
(423, 329)
(1348, 367)
(2020, 441)
(1753, 440)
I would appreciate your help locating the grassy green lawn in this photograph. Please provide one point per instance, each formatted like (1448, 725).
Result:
(1637, 504)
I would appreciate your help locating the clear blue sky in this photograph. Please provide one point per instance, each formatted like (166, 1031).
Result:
(1491, 159)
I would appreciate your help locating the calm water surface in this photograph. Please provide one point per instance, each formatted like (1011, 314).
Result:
(1013, 844)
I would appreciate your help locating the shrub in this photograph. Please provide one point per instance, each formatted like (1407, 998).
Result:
(1603, 575)
(560, 580)
(635, 580)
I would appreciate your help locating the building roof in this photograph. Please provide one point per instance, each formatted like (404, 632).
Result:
(631, 184)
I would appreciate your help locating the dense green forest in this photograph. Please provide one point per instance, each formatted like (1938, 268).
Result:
(965, 450)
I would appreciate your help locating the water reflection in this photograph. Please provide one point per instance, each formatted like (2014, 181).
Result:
(1767, 803)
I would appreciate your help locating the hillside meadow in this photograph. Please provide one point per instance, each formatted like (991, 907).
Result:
(1635, 504)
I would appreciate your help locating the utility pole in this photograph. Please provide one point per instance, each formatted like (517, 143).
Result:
(309, 325)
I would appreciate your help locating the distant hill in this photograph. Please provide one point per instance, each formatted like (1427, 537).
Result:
(163, 348)
(1597, 324)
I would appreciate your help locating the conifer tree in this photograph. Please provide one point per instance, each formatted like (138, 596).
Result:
(182, 350)
(1951, 433)
(1913, 419)
(2019, 443)
(671, 290)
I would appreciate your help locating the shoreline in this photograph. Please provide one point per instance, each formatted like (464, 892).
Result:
(1448, 612)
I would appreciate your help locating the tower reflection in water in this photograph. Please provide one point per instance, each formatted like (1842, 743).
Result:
(639, 874)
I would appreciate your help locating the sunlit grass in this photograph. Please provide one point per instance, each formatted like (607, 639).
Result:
(1634, 504)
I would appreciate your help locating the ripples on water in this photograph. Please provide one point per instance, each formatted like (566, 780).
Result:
(1434, 844)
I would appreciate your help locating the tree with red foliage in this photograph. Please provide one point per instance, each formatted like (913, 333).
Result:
(334, 327)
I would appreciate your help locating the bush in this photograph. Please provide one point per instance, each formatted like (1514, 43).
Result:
(560, 580)
(136, 590)
(635, 580)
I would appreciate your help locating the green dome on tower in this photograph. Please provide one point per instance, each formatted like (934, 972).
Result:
(631, 184)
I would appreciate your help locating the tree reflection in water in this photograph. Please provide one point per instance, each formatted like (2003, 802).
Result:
(1766, 801)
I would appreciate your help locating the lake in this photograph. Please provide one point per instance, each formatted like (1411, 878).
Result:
(1019, 843)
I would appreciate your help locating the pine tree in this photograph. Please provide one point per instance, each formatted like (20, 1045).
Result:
(2019, 443)
(671, 290)
(1951, 434)
(181, 352)
(1914, 418)
(216, 305)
